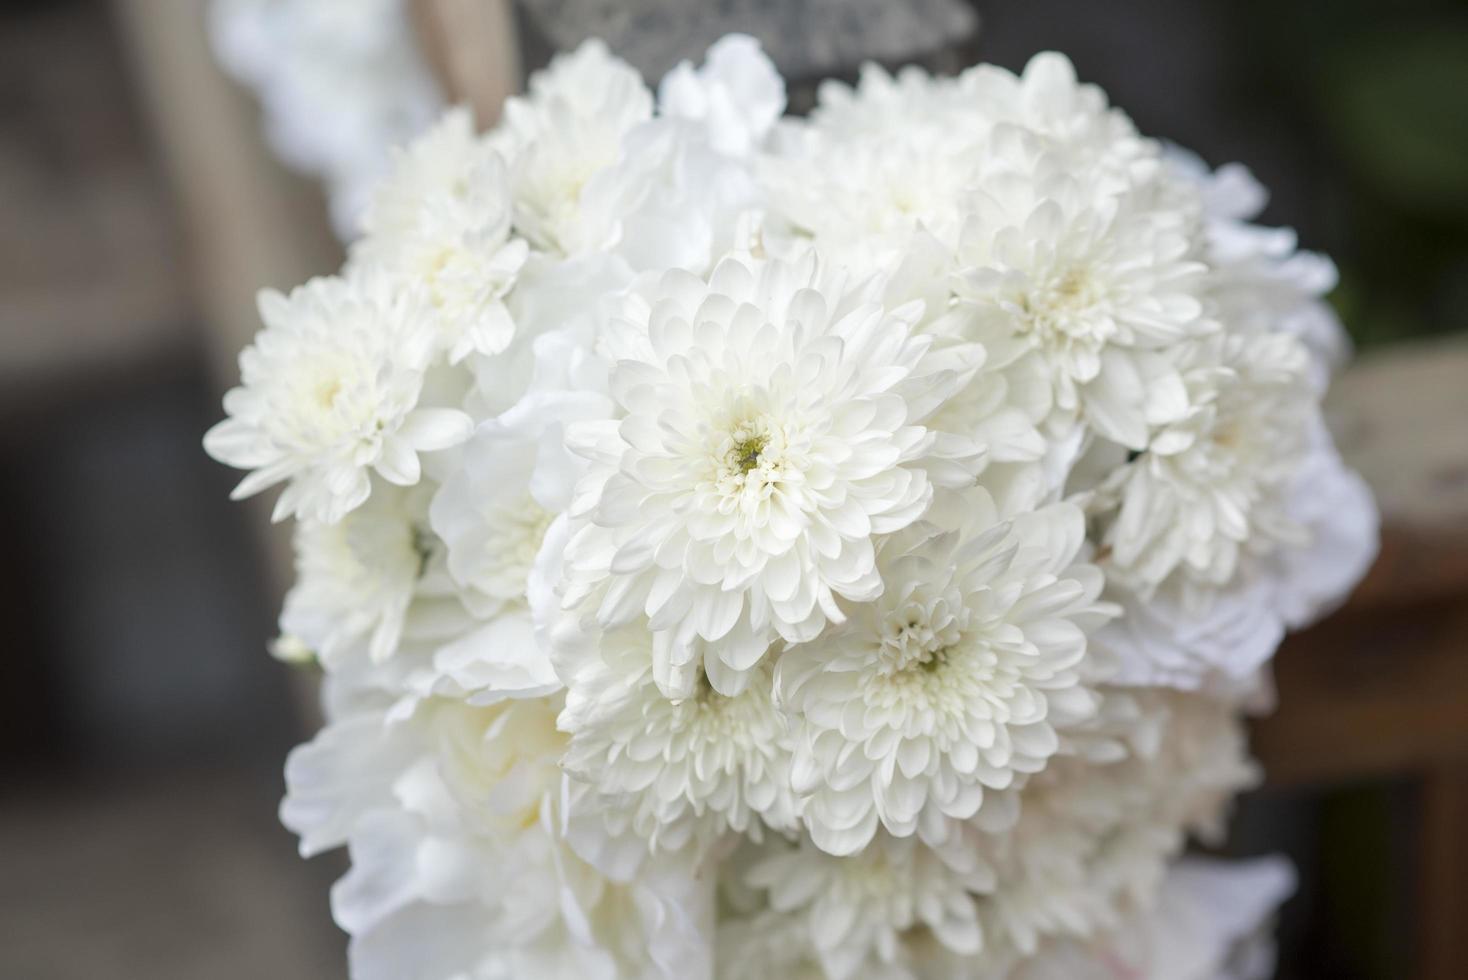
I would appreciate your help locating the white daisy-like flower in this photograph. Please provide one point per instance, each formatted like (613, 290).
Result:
(1213, 485)
(453, 817)
(516, 476)
(1093, 839)
(862, 197)
(355, 579)
(953, 681)
(737, 94)
(1097, 285)
(878, 174)
(562, 141)
(883, 103)
(330, 393)
(1259, 280)
(676, 770)
(859, 910)
(1197, 636)
(1209, 922)
(771, 425)
(1071, 120)
(443, 221)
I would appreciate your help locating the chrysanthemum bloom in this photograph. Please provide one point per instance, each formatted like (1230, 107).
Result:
(330, 393)
(1213, 484)
(442, 222)
(516, 475)
(1098, 285)
(953, 681)
(561, 141)
(675, 770)
(1093, 839)
(771, 425)
(355, 579)
(453, 818)
(859, 910)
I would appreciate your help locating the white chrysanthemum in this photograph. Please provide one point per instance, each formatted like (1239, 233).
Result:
(771, 426)
(858, 910)
(895, 157)
(330, 393)
(1072, 121)
(953, 681)
(1093, 839)
(878, 174)
(1207, 923)
(355, 579)
(452, 816)
(861, 198)
(443, 221)
(562, 141)
(1193, 636)
(676, 770)
(516, 475)
(1097, 285)
(1259, 280)
(883, 104)
(1213, 485)
(556, 296)
(737, 95)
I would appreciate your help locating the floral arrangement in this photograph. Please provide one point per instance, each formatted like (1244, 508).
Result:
(841, 547)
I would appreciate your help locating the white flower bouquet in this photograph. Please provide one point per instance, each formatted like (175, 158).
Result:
(755, 547)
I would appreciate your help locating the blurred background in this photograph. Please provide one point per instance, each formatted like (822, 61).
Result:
(143, 726)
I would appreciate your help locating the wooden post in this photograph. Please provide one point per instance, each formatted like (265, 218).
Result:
(1380, 690)
(474, 51)
(246, 221)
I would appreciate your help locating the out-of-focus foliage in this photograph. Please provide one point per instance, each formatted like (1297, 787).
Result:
(1380, 91)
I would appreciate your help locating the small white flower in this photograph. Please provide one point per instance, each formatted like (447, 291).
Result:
(1193, 635)
(355, 579)
(1071, 120)
(953, 681)
(1093, 839)
(859, 909)
(443, 221)
(771, 426)
(1213, 485)
(737, 94)
(330, 393)
(1096, 285)
(453, 815)
(562, 140)
(861, 198)
(676, 769)
(516, 476)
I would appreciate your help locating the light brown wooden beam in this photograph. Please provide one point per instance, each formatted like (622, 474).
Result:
(474, 51)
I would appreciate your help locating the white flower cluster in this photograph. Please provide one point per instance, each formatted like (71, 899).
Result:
(754, 547)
